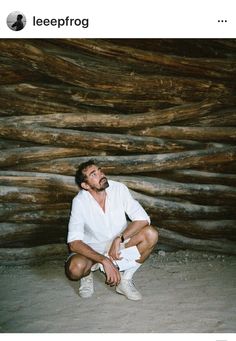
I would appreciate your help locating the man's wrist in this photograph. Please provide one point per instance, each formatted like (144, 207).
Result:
(122, 239)
(102, 259)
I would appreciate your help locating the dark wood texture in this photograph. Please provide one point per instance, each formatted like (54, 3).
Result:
(158, 115)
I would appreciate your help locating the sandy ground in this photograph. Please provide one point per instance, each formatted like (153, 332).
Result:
(183, 292)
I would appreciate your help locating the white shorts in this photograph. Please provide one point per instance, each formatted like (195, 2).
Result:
(96, 265)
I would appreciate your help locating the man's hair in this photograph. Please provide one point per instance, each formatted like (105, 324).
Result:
(79, 175)
(19, 17)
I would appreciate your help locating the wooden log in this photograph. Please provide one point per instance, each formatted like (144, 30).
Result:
(218, 194)
(95, 141)
(225, 168)
(229, 168)
(11, 105)
(45, 216)
(6, 144)
(175, 239)
(33, 195)
(226, 134)
(137, 164)
(21, 235)
(167, 89)
(157, 208)
(166, 209)
(117, 121)
(44, 181)
(27, 235)
(15, 156)
(41, 254)
(41, 92)
(205, 67)
(64, 97)
(196, 176)
(33, 255)
(220, 118)
(202, 229)
(13, 73)
(204, 48)
(147, 185)
(74, 97)
(144, 184)
(8, 209)
(82, 99)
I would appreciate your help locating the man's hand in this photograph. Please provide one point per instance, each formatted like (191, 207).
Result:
(112, 273)
(114, 252)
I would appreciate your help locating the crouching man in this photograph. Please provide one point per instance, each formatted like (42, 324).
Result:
(98, 230)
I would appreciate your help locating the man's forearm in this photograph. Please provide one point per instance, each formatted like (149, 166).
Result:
(133, 228)
(83, 249)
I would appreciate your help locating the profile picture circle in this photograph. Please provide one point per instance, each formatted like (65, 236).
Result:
(16, 21)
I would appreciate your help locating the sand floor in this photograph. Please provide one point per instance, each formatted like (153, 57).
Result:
(182, 292)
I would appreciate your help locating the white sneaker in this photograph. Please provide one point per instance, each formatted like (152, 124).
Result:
(86, 289)
(127, 288)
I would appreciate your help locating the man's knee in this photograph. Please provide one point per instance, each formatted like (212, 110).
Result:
(76, 269)
(150, 235)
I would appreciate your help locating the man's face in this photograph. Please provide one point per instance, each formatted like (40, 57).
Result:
(95, 179)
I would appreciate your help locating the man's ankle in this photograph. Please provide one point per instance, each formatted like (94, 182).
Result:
(128, 274)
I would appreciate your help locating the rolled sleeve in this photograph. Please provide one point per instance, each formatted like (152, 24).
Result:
(76, 223)
(133, 208)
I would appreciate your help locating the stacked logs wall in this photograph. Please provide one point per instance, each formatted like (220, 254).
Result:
(158, 115)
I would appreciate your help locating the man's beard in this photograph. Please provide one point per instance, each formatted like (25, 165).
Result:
(103, 183)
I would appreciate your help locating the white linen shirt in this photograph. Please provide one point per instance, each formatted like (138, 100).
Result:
(89, 223)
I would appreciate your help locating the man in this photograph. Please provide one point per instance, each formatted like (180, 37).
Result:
(19, 23)
(98, 229)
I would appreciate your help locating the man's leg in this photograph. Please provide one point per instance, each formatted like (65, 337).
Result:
(79, 267)
(145, 240)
